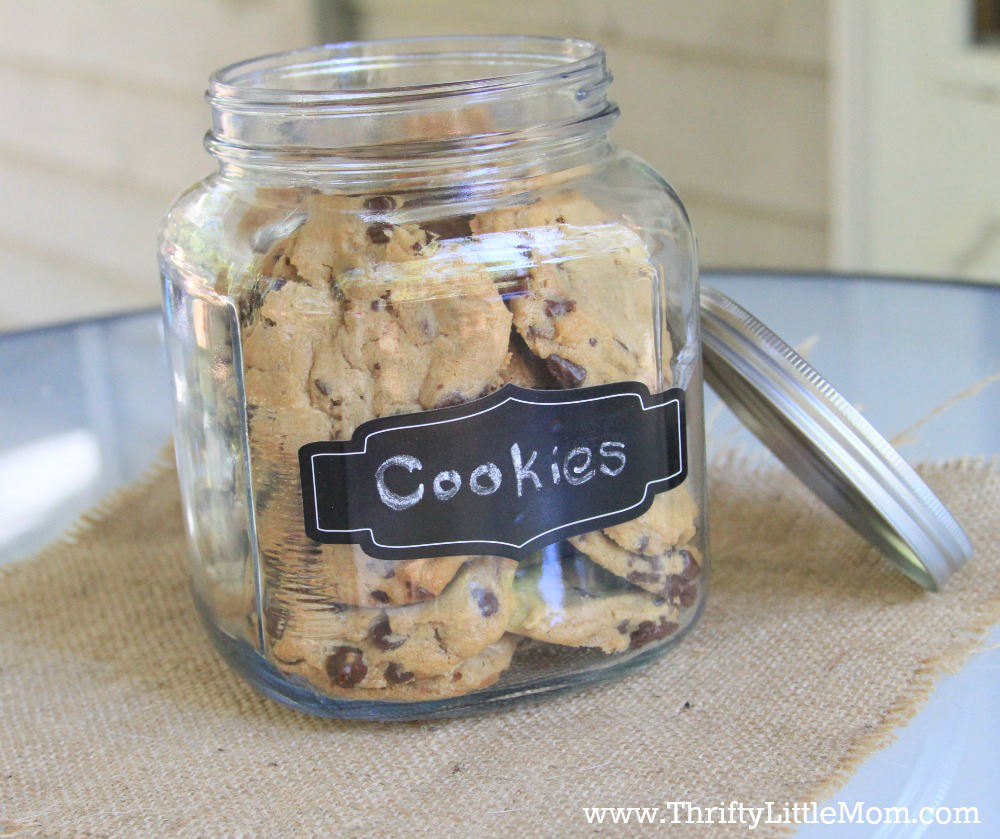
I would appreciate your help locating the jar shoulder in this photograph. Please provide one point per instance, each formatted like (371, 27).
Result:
(226, 225)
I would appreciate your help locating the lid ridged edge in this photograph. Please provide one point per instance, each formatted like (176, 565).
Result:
(742, 353)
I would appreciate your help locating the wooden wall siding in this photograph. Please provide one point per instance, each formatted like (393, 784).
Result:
(727, 98)
(104, 117)
(103, 125)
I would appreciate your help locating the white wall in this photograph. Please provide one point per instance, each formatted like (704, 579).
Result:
(917, 139)
(727, 98)
(102, 126)
(103, 119)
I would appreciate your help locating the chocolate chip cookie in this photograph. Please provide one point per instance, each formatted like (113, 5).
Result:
(361, 309)
(669, 574)
(652, 551)
(669, 521)
(424, 343)
(471, 674)
(586, 327)
(380, 648)
(319, 362)
(561, 597)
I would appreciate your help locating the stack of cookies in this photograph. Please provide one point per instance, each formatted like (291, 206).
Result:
(357, 308)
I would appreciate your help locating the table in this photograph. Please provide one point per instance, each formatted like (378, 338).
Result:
(87, 407)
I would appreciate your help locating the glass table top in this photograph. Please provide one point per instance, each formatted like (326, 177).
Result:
(86, 407)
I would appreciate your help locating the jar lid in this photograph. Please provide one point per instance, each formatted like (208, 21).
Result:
(810, 427)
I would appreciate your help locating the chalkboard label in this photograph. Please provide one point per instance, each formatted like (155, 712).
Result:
(504, 475)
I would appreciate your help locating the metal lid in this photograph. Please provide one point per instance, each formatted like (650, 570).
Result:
(810, 427)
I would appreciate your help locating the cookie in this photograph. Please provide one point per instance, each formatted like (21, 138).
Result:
(667, 575)
(562, 209)
(652, 551)
(317, 366)
(342, 233)
(425, 343)
(522, 368)
(561, 597)
(586, 305)
(378, 648)
(335, 573)
(471, 674)
(362, 309)
(342, 574)
(383, 341)
(293, 323)
(669, 521)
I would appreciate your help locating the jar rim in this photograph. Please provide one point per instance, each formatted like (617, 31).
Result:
(291, 77)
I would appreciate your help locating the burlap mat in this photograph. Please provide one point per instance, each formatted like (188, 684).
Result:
(119, 719)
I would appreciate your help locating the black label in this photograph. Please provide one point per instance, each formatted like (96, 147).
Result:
(504, 475)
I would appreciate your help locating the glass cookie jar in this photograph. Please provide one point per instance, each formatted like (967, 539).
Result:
(436, 354)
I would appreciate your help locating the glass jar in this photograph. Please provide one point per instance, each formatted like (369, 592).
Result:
(436, 355)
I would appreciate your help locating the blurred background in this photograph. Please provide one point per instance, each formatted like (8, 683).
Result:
(849, 135)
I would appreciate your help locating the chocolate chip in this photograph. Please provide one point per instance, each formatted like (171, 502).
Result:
(279, 283)
(248, 305)
(557, 308)
(380, 203)
(680, 590)
(379, 232)
(378, 305)
(643, 543)
(592, 342)
(622, 344)
(346, 667)
(488, 602)
(449, 228)
(560, 220)
(322, 387)
(380, 596)
(383, 637)
(623, 626)
(641, 577)
(691, 567)
(416, 247)
(275, 621)
(395, 675)
(649, 631)
(565, 371)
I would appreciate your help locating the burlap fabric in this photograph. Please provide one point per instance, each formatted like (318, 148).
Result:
(119, 719)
